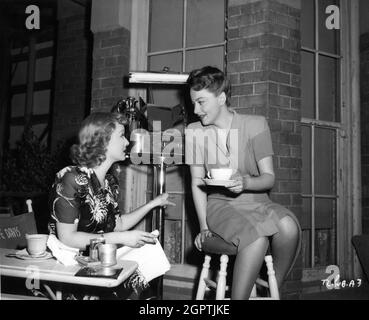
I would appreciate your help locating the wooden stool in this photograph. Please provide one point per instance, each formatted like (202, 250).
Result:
(216, 245)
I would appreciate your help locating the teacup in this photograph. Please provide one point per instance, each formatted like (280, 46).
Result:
(36, 244)
(221, 173)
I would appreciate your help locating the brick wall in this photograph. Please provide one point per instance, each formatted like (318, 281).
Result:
(72, 77)
(264, 68)
(364, 83)
(110, 68)
(111, 51)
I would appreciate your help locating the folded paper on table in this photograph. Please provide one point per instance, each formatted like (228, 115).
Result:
(64, 254)
(151, 259)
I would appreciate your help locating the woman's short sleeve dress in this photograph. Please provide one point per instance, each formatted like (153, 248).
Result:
(237, 218)
(78, 198)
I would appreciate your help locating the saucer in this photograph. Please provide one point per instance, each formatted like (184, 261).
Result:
(215, 182)
(26, 256)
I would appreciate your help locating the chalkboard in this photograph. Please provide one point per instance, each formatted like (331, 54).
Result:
(13, 230)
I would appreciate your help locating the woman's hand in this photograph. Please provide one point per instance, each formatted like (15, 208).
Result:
(200, 238)
(238, 185)
(138, 238)
(162, 201)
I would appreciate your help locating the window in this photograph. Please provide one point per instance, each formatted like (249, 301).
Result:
(321, 127)
(34, 57)
(184, 35)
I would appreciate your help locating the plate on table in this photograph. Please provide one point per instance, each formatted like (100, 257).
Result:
(216, 182)
(24, 255)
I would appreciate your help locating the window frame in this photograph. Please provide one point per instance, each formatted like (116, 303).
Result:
(348, 184)
(183, 50)
(184, 47)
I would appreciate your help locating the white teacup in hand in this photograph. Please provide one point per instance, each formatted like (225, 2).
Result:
(221, 173)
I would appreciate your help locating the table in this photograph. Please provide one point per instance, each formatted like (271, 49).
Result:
(52, 270)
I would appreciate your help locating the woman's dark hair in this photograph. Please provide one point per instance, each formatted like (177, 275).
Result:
(212, 79)
(93, 137)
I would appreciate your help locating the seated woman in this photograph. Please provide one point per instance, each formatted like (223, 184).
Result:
(85, 196)
(241, 212)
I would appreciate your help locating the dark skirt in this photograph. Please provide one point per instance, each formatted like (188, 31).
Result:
(243, 220)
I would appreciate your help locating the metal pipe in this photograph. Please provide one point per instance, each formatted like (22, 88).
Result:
(161, 189)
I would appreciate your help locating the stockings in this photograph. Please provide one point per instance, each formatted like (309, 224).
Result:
(250, 259)
(284, 246)
(246, 268)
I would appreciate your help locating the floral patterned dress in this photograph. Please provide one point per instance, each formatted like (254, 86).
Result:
(78, 198)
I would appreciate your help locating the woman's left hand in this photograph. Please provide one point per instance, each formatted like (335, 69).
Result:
(236, 186)
(162, 201)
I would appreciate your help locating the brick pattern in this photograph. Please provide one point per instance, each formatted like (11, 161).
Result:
(264, 66)
(364, 83)
(110, 67)
(72, 93)
(111, 51)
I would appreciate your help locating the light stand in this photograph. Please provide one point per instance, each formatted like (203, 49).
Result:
(160, 168)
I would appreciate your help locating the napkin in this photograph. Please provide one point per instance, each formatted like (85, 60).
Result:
(64, 254)
(151, 259)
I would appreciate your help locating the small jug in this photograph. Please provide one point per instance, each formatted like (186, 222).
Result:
(94, 255)
(107, 254)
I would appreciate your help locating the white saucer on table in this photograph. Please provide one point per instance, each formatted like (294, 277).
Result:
(217, 182)
(24, 255)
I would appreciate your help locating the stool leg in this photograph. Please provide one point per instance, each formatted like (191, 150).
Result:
(253, 292)
(204, 274)
(221, 283)
(273, 286)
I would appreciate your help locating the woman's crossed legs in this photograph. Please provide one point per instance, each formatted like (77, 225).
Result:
(250, 259)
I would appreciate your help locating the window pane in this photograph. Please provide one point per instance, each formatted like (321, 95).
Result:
(15, 135)
(306, 248)
(18, 105)
(305, 220)
(210, 56)
(160, 95)
(306, 233)
(325, 161)
(324, 247)
(308, 23)
(41, 102)
(38, 129)
(306, 159)
(308, 85)
(166, 28)
(172, 60)
(328, 38)
(205, 26)
(325, 215)
(43, 69)
(328, 89)
(20, 74)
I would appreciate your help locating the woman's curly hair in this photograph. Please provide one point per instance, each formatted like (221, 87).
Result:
(94, 136)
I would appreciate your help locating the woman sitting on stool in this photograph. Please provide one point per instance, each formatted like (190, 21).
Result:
(241, 212)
